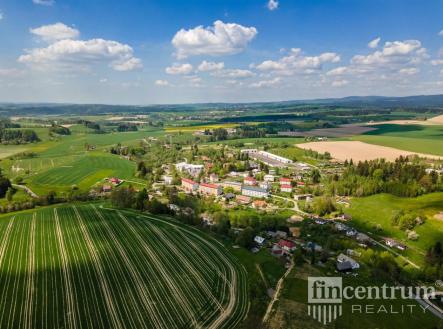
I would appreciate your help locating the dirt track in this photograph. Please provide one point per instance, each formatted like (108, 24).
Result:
(359, 151)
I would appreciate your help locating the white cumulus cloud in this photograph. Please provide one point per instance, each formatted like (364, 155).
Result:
(81, 54)
(220, 39)
(210, 66)
(233, 73)
(44, 2)
(297, 62)
(272, 4)
(409, 71)
(162, 83)
(54, 32)
(266, 83)
(177, 68)
(339, 83)
(374, 43)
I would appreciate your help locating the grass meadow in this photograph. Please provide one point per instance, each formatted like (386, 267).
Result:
(370, 211)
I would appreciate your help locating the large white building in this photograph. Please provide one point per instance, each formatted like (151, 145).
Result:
(192, 169)
(270, 159)
(255, 192)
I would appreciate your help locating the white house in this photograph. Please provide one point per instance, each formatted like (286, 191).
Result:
(269, 178)
(259, 240)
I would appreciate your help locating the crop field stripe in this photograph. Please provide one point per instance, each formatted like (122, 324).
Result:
(227, 318)
(136, 277)
(183, 259)
(181, 300)
(233, 320)
(91, 268)
(98, 266)
(29, 304)
(82, 275)
(118, 275)
(151, 273)
(69, 294)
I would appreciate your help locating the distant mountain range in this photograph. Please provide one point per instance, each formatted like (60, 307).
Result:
(420, 101)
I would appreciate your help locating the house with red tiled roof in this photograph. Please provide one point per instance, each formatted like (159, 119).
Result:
(189, 185)
(286, 188)
(285, 181)
(286, 245)
(251, 181)
(210, 189)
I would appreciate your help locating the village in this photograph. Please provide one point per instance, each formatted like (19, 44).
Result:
(273, 183)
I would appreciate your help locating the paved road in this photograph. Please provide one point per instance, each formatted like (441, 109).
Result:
(295, 208)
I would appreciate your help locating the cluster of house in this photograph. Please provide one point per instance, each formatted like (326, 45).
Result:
(249, 188)
(363, 239)
(191, 186)
(281, 246)
(113, 181)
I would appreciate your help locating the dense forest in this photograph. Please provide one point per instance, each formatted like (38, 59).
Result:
(10, 133)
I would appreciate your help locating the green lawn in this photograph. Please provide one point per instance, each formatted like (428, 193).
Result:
(415, 138)
(83, 171)
(378, 209)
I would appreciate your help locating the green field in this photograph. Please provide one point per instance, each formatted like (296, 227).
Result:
(378, 209)
(83, 266)
(83, 172)
(415, 138)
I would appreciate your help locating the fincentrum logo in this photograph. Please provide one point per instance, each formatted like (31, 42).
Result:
(326, 295)
(325, 298)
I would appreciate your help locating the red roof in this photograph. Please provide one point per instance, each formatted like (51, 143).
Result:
(286, 243)
(283, 179)
(209, 185)
(300, 183)
(189, 181)
(250, 179)
(286, 186)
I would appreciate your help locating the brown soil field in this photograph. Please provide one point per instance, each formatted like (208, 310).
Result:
(359, 151)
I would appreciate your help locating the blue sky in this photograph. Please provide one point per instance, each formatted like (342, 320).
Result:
(144, 52)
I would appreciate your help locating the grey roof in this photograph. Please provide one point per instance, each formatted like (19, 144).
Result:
(255, 189)
(344, 266)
